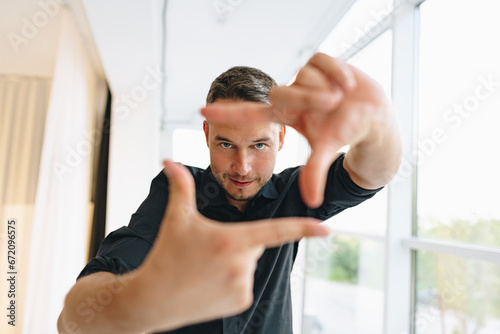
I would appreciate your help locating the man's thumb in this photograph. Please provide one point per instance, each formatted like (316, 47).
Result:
(182, 192)
(312, 180)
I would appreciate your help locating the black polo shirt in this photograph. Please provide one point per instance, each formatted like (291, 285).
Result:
(271, 312)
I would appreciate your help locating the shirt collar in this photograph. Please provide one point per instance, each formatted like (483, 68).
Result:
(269, 190)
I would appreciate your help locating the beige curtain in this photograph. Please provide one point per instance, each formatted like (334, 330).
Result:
(61, 213)
(23, 107)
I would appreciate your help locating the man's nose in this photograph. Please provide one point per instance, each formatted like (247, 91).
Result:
(242, 164)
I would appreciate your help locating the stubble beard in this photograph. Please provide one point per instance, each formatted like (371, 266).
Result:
(226, 177)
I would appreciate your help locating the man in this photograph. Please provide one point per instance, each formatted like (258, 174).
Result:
(199, 270)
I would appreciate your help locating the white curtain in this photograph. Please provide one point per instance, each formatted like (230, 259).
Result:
(61, 213)
(23, 106)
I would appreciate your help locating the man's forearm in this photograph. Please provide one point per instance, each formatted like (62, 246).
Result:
(374, 161)
(103, 303)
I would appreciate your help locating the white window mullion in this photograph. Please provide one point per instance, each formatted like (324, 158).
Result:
(398, 264)
(299, 272)
(473, 252)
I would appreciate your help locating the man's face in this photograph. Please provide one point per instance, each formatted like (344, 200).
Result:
(242, 157)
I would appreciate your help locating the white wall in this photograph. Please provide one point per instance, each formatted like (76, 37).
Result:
(126, 39)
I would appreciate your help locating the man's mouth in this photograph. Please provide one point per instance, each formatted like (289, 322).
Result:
(240, 184)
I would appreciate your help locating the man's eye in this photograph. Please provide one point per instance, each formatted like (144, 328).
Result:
(225, 145)
(260, 146)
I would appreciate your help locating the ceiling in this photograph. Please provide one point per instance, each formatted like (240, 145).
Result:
(195, 41)
(205, 38)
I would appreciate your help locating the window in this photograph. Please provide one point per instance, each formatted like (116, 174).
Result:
(189, 147)
(456, 295)
(344, 286)
(459, 94)
(360, 26)
(439, 241)
(458, 162)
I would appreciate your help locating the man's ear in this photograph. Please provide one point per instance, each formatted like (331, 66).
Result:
(282, 136)
(206, 129)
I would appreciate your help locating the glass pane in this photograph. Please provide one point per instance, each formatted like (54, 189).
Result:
(376, 60)
(459, 142)
(294, 151)
(344, 286)
(456, 295)
(370, 216)
(190, 148)
(361, 17)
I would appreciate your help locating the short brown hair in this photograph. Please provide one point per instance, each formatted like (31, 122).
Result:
(241, 83)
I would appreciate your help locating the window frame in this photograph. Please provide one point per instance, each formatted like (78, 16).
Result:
(401, 240)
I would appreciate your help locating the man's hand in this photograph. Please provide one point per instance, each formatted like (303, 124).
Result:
(332, 104)
(199, 269)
